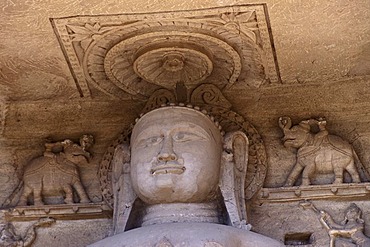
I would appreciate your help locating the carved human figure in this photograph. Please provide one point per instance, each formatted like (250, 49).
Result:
(9, 238)
(352, 227)
(318, 153)
(179, 187)
(56, 172)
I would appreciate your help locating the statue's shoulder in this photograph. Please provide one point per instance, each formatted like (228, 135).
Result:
(189, 235)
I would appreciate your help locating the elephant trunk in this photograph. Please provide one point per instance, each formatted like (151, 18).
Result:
(285, 123)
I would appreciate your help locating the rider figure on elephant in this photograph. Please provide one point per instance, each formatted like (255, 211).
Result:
(318, 153)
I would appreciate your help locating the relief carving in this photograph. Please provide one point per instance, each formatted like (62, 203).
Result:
(55, 173)
(210, 98)
(180, 181)
(318, 153)
(9, 237)
(136, 55)
(351, 228)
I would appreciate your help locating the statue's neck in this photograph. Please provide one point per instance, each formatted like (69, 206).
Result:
(181, 212)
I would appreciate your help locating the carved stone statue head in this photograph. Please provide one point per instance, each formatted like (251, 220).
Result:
(178, 180)
(175, 156)
(178, 154)
(353, 212)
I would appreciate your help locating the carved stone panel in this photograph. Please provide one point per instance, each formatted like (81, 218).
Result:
(53, 177)
(350, 229)
(10, 238)
(320, 152)
(140, 53)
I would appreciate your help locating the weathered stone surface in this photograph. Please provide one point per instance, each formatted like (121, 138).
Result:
(182, 181)
(323, 56)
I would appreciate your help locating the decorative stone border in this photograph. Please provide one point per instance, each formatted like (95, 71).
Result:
(101, 50)
(61, 211)
(314, 192)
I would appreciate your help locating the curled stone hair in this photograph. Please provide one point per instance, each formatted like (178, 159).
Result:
(190, 106)
(207, 99)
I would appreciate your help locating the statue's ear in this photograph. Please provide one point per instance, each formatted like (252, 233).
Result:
(232, 179)
(124, 195)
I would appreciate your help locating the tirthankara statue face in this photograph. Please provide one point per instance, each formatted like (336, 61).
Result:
(175, 156)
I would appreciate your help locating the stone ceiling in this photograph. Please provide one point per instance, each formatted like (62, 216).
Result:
(314, 40)
(322, 50)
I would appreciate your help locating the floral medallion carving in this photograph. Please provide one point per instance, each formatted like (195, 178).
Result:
(183, 65)
(130, 55)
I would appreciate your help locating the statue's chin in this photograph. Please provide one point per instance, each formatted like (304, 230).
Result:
(288, 144)
(167, 194)
(164, 181)
(291, 144)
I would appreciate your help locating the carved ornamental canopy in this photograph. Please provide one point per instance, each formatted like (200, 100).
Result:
(133, 55)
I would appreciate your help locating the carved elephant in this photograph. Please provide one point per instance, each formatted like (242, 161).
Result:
(55, 175)
(318, 153)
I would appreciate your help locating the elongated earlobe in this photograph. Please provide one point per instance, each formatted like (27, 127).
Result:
(232, 178)
(124, 195)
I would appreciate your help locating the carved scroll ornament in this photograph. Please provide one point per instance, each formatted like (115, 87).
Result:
(9, 237)
(136, 54)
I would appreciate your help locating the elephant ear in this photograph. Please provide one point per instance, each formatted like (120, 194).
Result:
(124, 195)
(233, 172)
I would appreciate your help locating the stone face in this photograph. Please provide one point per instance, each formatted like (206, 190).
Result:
(188, 190)
(175, 156)
(321, 50)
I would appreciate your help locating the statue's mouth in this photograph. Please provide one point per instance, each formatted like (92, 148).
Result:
(287, 139)
(289, 142)
(168, 168)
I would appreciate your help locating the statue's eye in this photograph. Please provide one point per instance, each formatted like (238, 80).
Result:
(185, 136)
(149, 141)
(179, 136)
(154, 140)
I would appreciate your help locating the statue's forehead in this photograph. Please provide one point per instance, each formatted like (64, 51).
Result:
(168, 115)
(174, 128)
(174, 118)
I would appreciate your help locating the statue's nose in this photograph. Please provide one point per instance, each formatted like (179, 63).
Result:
(166, 153)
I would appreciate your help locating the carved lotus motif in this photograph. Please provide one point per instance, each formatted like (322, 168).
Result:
(134, 55)
(179, 64)
(147, 62)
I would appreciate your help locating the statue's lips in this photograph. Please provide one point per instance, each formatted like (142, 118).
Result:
(286, 139)
(168, 169)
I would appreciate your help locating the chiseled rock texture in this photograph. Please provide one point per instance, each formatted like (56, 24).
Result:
(323, 53)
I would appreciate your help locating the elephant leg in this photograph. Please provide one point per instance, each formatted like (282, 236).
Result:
(37, 197)
(69, 194)
(307, 173)
(352, 170)
(27, 191)
(81, 192)
(294, 174)
(338, 172)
